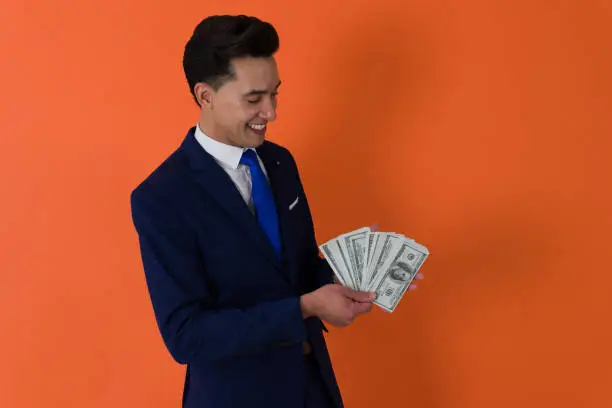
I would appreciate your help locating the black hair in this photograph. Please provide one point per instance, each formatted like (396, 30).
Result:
(218, 39)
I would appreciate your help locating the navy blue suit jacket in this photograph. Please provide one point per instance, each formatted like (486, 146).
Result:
(224, 305)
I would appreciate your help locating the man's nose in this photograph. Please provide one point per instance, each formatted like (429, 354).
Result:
(269, 111)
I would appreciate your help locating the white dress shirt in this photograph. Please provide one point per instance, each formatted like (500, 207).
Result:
(228, 157)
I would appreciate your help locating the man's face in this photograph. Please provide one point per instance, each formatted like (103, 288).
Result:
(241, 108)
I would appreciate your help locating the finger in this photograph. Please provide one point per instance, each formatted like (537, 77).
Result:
(360, 308)
(363, 307)
(362, 297)
(349, 318)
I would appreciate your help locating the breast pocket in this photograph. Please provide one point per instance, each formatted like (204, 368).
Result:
(294, 203)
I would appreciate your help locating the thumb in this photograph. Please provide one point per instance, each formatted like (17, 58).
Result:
(363, 297)
(361, 308)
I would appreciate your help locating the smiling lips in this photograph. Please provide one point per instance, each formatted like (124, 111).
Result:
(258, 128)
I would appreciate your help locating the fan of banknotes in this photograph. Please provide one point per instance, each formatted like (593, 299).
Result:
(381, 262)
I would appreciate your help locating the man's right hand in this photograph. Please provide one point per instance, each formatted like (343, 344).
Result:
(336, 304)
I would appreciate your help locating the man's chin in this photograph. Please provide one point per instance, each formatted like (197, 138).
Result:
(254, 140)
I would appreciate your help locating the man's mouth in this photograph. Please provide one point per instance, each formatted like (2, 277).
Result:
(259, 129)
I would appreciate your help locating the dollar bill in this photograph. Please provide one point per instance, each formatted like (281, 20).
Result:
(381, 262)
(372, 240)
(343, 253)
(356, 245)
(386, 249)
(399, 275)
(377, 246)
(331, 258)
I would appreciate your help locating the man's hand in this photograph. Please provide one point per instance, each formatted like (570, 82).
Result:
(336, 304)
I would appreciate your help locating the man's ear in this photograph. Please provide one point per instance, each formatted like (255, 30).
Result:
(204, 94)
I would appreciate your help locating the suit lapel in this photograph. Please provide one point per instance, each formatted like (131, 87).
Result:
(221, 188)
(277, 170)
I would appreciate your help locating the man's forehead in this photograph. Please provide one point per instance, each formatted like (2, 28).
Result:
(255, 73)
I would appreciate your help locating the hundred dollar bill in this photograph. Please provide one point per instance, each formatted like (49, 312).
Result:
(381, 252)
(401, 236)
(372, 239)
(343, 253)
(385, 251)
(372, 271)
(378, 245)
(400, 273)
(356, 245)
(332, 255)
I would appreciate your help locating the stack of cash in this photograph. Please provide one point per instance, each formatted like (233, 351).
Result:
(381, 262)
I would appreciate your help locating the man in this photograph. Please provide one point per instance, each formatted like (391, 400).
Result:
(227, 240)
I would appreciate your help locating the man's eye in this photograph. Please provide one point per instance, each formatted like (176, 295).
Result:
(254, 101)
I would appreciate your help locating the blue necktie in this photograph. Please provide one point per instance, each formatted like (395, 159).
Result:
(265, 208)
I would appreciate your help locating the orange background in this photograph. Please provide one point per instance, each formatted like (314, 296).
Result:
(481, 129)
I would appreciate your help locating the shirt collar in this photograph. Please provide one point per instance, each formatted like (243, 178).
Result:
(223, 153)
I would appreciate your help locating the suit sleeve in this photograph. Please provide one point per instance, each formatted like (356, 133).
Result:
(319, 266)
(191, 327)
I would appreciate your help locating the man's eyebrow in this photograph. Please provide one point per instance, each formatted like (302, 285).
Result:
(260, 92)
